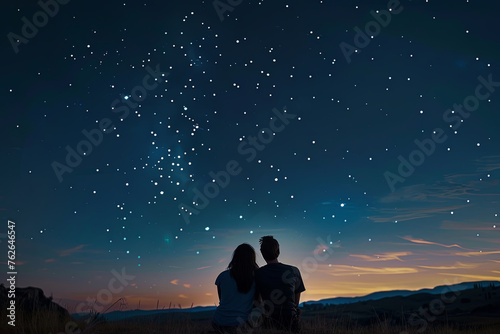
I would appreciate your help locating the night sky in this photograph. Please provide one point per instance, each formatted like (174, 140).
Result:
(153, 137)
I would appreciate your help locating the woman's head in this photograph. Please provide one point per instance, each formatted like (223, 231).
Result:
(242, 267)
(245, 254)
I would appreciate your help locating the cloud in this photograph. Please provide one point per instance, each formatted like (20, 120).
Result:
(420, 241)
(488, 163)
(67, 252)
(50, 260)
(183, 296)
(474, 277)
(176, 282)
(405, 214)
(423, 201)
(480, 253)
(458, 265)
(429, 193)
(383, 256)
(346, 270)
(453, 225)
(201, 268)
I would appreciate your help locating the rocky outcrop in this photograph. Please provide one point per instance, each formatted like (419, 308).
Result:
(33, 313)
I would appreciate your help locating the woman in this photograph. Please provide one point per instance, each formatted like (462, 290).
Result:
(236, 289)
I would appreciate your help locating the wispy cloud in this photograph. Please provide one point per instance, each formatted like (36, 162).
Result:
(429, 193)
(425, 242)
(174, 282)
(469, 254)
(68, 252)
(458, 265)
(186, 285)
(488, 163)
(405, 214)
(383, 256)
(473, 225)
(474, 277)
(345, 270)
(201, 268)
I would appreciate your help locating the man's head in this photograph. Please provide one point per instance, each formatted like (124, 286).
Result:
(269, 247)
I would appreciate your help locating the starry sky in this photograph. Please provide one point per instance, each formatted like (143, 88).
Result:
(150, 138)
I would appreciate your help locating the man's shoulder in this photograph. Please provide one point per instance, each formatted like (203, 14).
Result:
(260, 270)
(265, 270)
(288, 267)
(277, 267)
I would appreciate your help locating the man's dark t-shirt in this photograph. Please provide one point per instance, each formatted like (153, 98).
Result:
(278, 283)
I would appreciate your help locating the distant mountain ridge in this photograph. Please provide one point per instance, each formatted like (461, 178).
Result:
(402, 293)
(120, 315)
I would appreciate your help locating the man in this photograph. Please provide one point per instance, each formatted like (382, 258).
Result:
(279, 286)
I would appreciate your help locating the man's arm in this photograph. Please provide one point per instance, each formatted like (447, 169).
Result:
(299, 287)
(218, 291)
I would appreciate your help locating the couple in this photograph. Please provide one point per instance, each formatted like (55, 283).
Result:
(275, 288)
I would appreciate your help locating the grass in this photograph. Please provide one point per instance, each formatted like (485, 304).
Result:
(44, 323)
(309, 326)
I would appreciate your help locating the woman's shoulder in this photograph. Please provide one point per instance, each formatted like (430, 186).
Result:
(222, 276)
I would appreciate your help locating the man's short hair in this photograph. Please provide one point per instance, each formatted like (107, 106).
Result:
(269, 247)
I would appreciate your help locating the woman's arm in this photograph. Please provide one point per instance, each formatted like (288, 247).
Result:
(257, 300)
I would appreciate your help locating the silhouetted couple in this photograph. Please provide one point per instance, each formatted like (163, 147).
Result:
(274, 289)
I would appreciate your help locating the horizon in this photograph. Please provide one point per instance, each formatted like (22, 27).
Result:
(143, 142)
(176, 306)
(305, 301)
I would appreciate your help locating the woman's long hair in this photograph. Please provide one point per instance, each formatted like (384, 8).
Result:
(242, 267)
